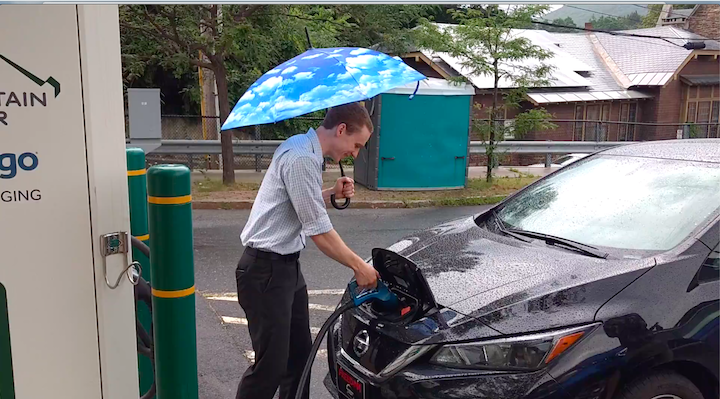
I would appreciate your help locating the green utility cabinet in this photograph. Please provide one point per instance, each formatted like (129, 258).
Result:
(420, 143)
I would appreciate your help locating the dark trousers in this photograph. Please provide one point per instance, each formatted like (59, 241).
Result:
(273, 294)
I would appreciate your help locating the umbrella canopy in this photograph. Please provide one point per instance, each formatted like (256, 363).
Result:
(319, 79)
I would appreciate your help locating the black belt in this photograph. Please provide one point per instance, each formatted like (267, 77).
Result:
(261, 254)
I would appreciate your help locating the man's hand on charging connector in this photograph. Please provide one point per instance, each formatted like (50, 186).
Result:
(366, 276)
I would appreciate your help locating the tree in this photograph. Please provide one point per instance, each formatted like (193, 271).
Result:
(650, 19)
(177, 35)
(387, 26)
(486, 42)
(630, 21)
(561, 21)
(238, 43)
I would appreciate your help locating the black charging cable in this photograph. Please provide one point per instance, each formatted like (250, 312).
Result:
(143, 293)
(304, 378)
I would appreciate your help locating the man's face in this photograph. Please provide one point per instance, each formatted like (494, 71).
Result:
(349, 144)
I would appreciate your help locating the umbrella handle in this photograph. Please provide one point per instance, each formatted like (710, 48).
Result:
(332, 196)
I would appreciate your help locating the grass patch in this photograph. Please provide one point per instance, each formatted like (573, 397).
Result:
(477, 192)
(213, 185)
(468, 201)
(499, 184)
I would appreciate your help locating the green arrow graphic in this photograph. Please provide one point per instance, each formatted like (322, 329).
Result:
(54, 83)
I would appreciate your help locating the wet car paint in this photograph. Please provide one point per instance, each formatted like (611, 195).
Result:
(511, 286)
(541, 312)
(641, 334)
(545, 287)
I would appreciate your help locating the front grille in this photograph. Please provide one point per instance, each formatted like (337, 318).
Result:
(381, 350)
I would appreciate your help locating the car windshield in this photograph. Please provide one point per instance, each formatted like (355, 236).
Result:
(619, 202)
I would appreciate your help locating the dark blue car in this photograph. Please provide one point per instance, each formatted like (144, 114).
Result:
(599, 280)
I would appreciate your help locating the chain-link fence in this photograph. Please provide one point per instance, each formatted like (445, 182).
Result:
(593, 130)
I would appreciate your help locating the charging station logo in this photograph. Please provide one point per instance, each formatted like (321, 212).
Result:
(10, 166)
(24, 99)
(11, 163)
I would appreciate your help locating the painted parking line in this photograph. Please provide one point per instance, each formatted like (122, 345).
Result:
(243, 321)
(231, 296)
(326, 292)
(311, 306)
(315, 306)
(250, 355)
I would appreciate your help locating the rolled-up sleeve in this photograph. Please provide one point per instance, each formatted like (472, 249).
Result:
(303, 181)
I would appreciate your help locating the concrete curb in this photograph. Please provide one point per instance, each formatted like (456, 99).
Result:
(247, 204)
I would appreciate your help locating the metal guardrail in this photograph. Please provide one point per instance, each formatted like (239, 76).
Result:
(202, 147)
(258, 147)
(547, 147)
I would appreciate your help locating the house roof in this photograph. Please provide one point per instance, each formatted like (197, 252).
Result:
(670, 14)
(580, 47)
(434, 87)
(701, 80)
(564, 75)
(647, 61)
(685, 12)
(594, 67)
(580, 96)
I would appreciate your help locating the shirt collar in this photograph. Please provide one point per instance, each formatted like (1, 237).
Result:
(315, 143)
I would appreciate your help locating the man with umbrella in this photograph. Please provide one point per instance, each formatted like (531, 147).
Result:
(291, 204)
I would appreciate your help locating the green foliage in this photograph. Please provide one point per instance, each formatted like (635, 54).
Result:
(630, 21)
(386, 26)
(582, 13)
(469, 201)
(567, 21)
(247, 41)
(694, 131)
(650, 19)
(534, 120)
(485, 43)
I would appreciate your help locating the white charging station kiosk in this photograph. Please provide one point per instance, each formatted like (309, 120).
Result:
(64, 332)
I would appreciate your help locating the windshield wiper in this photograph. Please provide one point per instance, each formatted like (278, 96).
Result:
(552, 240)
(502, 229)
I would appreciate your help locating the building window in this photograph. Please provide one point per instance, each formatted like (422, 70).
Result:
(703, 107)
(628, 112)
(592, 113)
(579, 115)
(586, 127)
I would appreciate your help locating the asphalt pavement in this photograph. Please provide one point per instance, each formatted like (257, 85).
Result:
(224, 348)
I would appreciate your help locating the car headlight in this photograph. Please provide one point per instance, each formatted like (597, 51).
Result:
(526, 352)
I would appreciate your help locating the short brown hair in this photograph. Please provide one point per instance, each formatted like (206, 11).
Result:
(353, 115)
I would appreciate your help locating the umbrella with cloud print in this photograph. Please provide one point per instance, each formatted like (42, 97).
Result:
(319, 79)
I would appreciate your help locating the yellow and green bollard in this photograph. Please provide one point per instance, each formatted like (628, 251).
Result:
(173, 285)
(137, 190)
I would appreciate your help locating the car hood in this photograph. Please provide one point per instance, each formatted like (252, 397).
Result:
(499, 284)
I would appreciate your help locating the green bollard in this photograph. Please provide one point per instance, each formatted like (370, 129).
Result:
(173, 287)
(137, 190)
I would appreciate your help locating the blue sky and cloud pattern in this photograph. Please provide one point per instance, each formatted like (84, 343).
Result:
(319, 79)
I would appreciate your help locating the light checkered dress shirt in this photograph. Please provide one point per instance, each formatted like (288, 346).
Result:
(289, 205)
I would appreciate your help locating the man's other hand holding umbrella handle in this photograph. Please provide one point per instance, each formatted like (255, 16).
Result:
(344, 188)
